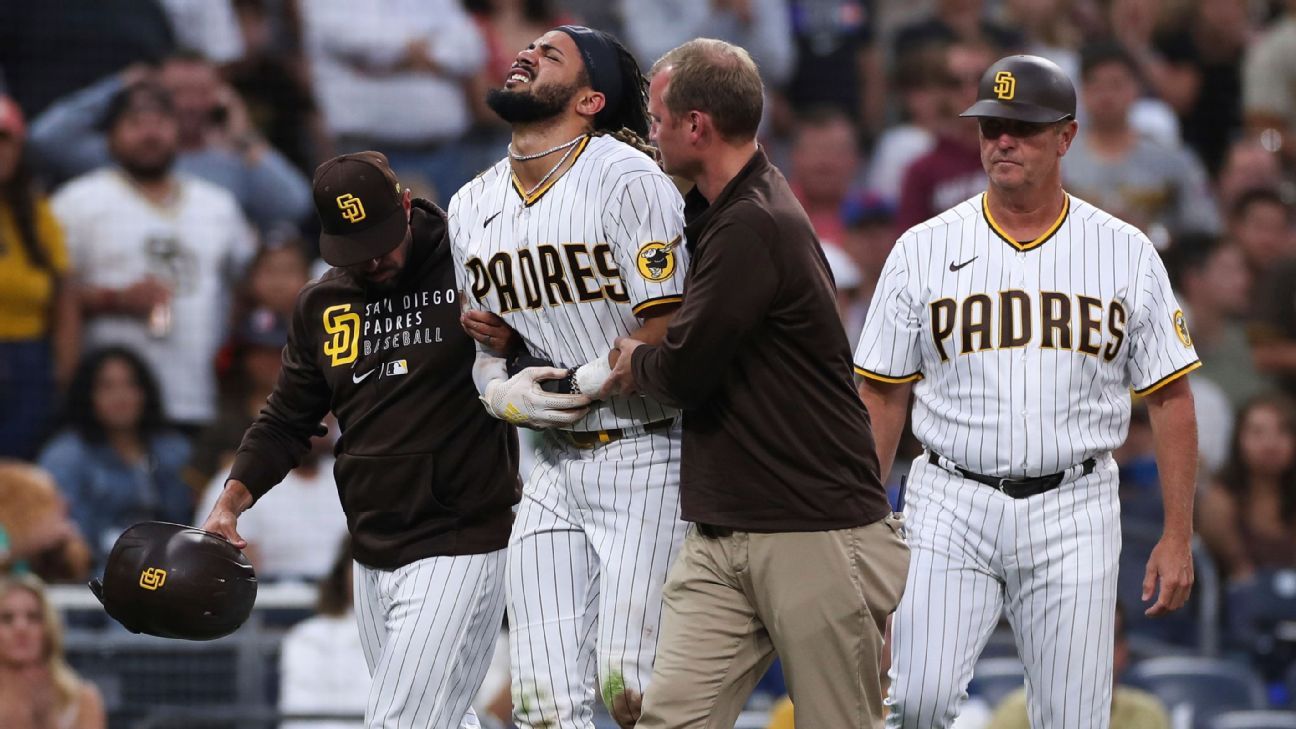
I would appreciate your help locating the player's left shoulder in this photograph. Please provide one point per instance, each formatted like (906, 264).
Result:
(1093, 220)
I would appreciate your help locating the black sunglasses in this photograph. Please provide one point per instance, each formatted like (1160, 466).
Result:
(993, 127)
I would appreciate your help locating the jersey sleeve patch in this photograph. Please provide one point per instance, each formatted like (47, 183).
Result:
(656, 260)
(1181, 328)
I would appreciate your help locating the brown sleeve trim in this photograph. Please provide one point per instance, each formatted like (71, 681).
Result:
(886, 378)
(1169, 378)
(647, 304)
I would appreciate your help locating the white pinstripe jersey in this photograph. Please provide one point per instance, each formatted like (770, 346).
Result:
(1024, 354)
(572, 265)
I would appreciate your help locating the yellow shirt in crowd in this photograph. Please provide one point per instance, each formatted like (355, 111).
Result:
(26, 291)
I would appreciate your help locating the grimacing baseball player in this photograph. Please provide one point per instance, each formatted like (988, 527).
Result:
(573, 240)
(1020, 320)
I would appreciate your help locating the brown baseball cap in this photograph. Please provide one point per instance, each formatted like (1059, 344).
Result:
(359, 203)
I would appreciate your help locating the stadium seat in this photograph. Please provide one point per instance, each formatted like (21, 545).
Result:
(1195, 626)
(1262, 620)
(1254, 720)
(1206, 687)
(995, 678)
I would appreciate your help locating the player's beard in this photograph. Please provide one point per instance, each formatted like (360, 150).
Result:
(530, 105)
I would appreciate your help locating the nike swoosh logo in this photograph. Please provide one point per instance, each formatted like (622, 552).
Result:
(488, 220)
(361, 378)
(954, 267)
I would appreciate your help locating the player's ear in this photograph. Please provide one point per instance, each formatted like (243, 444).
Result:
(1067, 135)
(699, 125)
(591, 103)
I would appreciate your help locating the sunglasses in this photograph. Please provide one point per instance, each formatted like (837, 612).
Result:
(993, 128)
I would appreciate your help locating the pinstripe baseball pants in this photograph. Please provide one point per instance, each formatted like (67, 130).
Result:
(1049, 561)
(428, 630)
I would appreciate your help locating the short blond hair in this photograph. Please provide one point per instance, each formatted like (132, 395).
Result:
(719, 79)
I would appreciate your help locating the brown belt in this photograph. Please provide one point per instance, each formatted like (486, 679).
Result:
(594, 438)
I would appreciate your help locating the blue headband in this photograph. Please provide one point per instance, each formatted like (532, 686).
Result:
(601, 63)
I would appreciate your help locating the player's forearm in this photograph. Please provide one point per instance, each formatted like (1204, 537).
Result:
(653, 330)
(888, 406)
(1174, 431)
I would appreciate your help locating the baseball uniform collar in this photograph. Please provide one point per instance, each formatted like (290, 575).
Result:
(1030, 244)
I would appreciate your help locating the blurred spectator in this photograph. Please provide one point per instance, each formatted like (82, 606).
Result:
(921, 83)
(391, 77)
(846, 282)
(114, 459)
(838, 63)
(50, 49)
(825, 165)
(216, 140)
(763, 27)
(1134, 25)
(1202, 76)
(1269, 86)
(36, 534)
(956, 21)
(1160, 190)
(155, 251)
(38, 689)
(1259, 224)
(207, 27)
(1131, 708)
(274, 86)
(1214, 286)
(298, 522)
(951, 172)
(1247, 515)
(1247, 166)
(1050, 31)
(255, 355)
(40, 323)
(321, 661)
(869, 222)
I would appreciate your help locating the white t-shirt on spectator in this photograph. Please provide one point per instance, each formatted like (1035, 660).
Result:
(322, 670)
(296, 527)
(354, 51)
(198, 243)
(206, 26)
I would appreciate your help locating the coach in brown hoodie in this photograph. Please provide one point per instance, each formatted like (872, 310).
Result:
(427, 478)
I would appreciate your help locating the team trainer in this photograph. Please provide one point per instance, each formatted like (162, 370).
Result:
(1025, 316)
(794, 549)
(427, 478)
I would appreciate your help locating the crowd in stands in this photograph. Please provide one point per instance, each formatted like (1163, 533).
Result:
(156, 225)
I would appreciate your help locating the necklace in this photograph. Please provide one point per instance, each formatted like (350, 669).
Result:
(571, 147)
(546, 153)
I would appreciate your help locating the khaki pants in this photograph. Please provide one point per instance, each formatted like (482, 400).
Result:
(819, 600)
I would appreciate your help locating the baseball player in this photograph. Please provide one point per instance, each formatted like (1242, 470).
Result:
(1021, 319)
(573, 241)
(426, 478)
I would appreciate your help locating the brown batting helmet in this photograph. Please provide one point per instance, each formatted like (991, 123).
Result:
(176, 581)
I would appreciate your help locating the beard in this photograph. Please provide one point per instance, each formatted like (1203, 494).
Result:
(149, 168)
(522, 107)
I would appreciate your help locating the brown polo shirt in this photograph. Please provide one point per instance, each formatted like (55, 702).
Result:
(775, 436)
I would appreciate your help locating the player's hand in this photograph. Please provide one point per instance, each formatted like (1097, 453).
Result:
(622, 381)
(626, 708)
(223, 519)
(490, 331)
(1171, 566)
(521, 401)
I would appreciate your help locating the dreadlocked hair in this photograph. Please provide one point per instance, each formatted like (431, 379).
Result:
(628, 121)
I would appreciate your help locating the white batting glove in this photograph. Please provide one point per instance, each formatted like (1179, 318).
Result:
(520, 400)
(591, 376)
